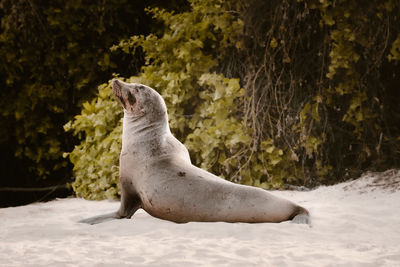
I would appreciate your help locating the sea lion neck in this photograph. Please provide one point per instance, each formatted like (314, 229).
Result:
(140, 130)
(137, 127)
(135, 124)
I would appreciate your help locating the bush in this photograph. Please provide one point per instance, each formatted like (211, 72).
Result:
(180, 64)
(262, 92)
(54, 54)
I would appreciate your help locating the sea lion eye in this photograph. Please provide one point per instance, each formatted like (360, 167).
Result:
(131, 99)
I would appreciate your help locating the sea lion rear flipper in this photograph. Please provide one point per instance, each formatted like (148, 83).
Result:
(302, 219)
(101, 218)
(301, 216)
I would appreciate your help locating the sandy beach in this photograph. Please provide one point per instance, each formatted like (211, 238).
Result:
(353, 224)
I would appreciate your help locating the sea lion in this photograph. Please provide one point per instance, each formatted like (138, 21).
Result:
(156, 173)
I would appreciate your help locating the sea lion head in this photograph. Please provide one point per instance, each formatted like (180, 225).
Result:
(139, 101)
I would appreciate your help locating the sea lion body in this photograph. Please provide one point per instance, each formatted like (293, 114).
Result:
(156, 173)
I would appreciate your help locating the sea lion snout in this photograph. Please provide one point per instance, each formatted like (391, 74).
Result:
(115, 82)
(117, 85)
(125, 91)
(122, 92)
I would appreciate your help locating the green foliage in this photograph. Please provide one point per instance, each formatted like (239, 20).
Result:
(318, 85)
(54, 54)
(395, 50)
(217, 135)
(176, 60)
(261, 92)
(352, 99)
(179, 63)
(96, 158)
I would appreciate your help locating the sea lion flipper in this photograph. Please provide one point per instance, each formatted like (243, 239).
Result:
(101, 218)
(130, 202)
(129, 205)
(301, 216)
(302, 219)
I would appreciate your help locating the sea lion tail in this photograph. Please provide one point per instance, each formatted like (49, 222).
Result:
(101, 218)
(301, 216)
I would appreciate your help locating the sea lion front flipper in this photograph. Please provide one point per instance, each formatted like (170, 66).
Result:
(101, 218)
(130, 203)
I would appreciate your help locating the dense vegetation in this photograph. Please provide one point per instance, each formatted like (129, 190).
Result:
(54, 54)
(261, 92)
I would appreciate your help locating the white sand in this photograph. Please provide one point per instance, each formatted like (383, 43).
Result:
(354, 224)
